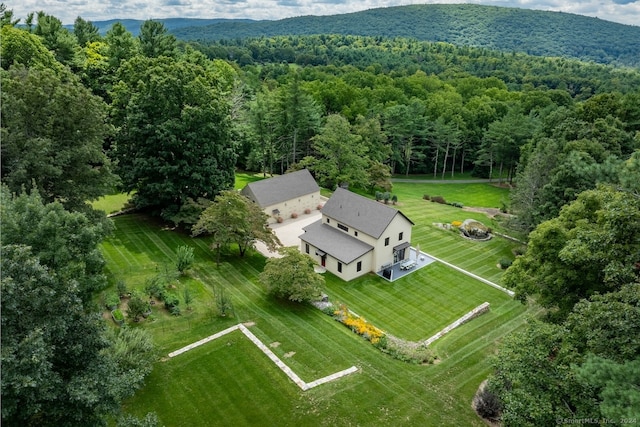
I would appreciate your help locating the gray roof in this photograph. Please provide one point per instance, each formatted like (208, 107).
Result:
(360, 213)
(278, 189)
(340, 245)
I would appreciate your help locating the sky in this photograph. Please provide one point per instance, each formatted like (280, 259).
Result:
(621, 11)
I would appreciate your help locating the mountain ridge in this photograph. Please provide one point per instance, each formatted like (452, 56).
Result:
(540, 33)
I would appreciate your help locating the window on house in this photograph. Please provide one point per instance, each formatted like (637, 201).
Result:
(355, 233)
(400, 235)
(343, 227)
(386, 241)
(328, 221)
(306, 247)
(359, 266)
(339, 267)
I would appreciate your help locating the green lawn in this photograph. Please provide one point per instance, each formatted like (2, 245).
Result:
(231, 382)
(480, 195)
(112, 202)
(416, 306)
(244, 178)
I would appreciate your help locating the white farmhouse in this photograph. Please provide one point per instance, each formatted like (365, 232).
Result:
(285, 195)
(357, 235)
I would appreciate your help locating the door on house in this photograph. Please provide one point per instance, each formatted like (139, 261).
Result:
(398, 255)
(323, 260)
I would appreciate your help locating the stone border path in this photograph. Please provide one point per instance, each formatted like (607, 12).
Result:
(482, 308)
(270, 354)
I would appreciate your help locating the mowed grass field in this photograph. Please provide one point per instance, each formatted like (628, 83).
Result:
(230, 382)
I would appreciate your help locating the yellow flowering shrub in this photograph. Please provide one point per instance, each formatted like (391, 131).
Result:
(456, 223)
(357, 324)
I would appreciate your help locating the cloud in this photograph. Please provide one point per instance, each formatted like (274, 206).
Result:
(176, 3)
(622, 11)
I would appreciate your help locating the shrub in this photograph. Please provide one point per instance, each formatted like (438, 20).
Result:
(154, 288)
(386, 196)
(170, 300)
(394, 199)
(223, 303)
(426, 197)
(294, 215)
(112, 300)
(121, 285)
(487, 404)
(505, 263)
(456, 223)
(137, 307)
(280, 220)
(406, 352)
(175, 311)
(184, 258)
(319, 207)
(187, 297)
(439, 199)
(457, 205)
(379, 196)
(520, 250)
(307, 211)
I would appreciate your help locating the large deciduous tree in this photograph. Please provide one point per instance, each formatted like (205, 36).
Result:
(53, 369)
(21, 47)
(292, 277)
(64, 242)
(592, 246)
(233, 218)
(585, 368)
(173, 139)
(59, 365)
(53, 131)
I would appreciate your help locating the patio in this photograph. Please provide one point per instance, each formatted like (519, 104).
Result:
(405, 267)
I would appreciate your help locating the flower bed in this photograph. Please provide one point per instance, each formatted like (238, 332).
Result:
(357, 324)
(407, 351)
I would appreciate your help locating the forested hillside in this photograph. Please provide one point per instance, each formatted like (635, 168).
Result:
(506, 29)
(401, 56)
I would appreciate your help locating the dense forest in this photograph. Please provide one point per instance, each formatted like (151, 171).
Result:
(85, 114)
(498, 28)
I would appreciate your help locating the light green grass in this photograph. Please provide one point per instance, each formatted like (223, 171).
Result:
(230, 382)
(112, 202)
(244, 178)
(478, 195)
